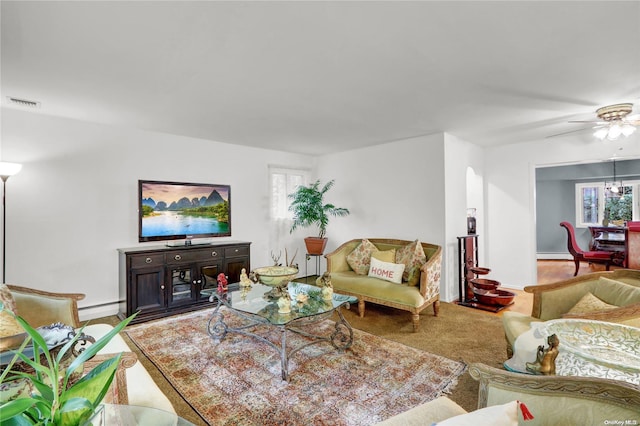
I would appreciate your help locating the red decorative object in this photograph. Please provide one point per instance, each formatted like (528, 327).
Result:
(222, 283)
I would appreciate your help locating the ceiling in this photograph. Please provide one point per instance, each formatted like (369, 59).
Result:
(321, 77)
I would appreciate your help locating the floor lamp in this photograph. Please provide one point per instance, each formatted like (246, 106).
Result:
(6, 170)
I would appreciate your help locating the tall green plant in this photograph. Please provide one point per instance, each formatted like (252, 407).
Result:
(309, 209)
(619, 208)
(57, 403)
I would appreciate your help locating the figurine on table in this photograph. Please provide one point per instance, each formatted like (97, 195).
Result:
(545, 357)
(327, 287)
(222, 283)
(244, 279)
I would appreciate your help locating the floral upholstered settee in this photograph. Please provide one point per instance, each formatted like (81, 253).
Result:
(418, 289)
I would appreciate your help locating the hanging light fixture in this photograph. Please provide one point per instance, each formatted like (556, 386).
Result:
(615, 122)
(613, 189)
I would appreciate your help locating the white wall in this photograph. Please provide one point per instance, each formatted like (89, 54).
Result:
(458, 157)
(75, 200)
(510, 197)
(393, 190)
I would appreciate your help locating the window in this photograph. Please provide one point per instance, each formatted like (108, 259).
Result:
(595, 203)
(283, 182)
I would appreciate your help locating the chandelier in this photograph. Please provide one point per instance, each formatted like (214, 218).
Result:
(615, 123)
(614, 189)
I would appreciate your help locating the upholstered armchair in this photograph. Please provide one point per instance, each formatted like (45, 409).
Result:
(132, 385)
(604, 296)
(551, 400)
(40, 308)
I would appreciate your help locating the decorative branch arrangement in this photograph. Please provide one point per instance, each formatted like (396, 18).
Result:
(276, 259)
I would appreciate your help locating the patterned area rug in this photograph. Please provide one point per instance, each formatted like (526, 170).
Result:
(238, 381)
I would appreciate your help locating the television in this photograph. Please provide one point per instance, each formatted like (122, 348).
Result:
(178, 210)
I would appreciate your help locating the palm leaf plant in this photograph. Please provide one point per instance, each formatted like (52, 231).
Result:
(57, 400)
(309, 209)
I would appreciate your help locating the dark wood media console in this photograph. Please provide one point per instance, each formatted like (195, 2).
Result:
(159, 281)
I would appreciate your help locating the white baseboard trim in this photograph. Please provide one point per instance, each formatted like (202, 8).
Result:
(554, 256)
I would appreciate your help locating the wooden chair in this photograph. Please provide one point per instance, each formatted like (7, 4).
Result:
(632, 245)
(603, 257)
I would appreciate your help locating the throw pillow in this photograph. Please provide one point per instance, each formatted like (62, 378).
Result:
(8, 324)
(386, 271)
(616, 293)
(413, 257)
(360, 257)
(385, 256)
(589, 303)
(496, 415)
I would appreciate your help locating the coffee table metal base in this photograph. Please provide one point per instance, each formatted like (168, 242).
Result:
(341, 338)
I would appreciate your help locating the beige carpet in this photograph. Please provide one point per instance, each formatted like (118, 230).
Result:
(237, 380)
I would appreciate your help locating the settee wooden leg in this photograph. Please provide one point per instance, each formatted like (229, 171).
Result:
(436, 308)
(416, 320)
(361, 308)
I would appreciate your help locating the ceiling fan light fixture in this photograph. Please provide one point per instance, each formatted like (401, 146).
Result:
(628, 129)
(601, 133)
(614, 131)
(616, 122)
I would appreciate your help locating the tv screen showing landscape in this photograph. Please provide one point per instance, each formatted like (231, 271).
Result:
(176, 210)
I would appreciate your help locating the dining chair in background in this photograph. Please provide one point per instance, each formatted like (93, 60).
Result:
(602, 257)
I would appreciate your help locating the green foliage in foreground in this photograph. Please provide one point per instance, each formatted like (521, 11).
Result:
(57, 403)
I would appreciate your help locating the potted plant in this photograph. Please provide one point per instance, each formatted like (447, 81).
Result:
(58, 401)
(309, 209)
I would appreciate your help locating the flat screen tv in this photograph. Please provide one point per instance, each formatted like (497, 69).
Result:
(178, 210)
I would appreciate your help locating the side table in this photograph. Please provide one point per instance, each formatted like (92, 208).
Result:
(317, 260)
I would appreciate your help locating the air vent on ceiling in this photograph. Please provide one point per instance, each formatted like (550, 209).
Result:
(25, 103)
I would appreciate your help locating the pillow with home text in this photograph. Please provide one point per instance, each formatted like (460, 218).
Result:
(386, 270)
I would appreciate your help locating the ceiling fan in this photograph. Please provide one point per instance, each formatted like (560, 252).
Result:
(613, 121)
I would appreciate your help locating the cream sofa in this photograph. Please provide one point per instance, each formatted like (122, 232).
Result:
(40, 308)
(556, 300)
(400, 296)
(552, 400)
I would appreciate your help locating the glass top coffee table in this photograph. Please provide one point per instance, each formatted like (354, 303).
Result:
(255, 306)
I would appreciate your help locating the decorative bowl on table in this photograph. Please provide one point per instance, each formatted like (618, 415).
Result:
(494, 297)
(275, 276)
(484, 283)
(603, 343)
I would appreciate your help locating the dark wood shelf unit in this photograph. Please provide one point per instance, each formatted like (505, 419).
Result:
(158, 281)
(467, 259)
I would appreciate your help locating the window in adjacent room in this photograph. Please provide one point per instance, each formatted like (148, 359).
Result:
(594, 203)
(284, 181)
